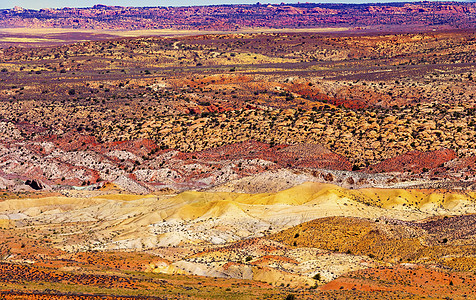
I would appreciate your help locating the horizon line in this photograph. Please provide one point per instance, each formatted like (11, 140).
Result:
(349, 2)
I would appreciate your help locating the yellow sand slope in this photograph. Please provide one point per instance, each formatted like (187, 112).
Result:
(138, 221)
(197, 204)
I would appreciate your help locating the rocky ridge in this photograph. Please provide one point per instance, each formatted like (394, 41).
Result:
(78, 162)
(233, 17)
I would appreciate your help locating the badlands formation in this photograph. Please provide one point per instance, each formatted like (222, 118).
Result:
(313, 237)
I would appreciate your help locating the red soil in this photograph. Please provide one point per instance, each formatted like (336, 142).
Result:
(306, 156)
(411, 279)
(10, 295)
(414, 161)
(11, 273)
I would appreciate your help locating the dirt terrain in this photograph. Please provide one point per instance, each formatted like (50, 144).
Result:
(411, 93)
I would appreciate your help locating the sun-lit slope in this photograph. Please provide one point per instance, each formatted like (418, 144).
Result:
(22, 204)
(308, 194)
(5, 223)
(297, 195)
(356, 236)
(195, 217)
(124, 221)
(308, 200)
(420, 199)
(319, 192)
(312, 199)
(392, 241)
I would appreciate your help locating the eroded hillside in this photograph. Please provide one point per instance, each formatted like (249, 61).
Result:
(313, 239)
(366, 97)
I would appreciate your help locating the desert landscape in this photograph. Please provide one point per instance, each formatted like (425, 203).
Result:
(293, 151)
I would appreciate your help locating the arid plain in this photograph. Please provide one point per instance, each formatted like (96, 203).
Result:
(277, 162)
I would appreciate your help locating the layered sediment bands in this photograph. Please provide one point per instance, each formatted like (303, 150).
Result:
(138, 222)
(306, 236)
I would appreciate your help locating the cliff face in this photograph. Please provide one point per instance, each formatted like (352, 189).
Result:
(232, 17)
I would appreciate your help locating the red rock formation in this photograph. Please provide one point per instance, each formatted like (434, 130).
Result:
(414, 161)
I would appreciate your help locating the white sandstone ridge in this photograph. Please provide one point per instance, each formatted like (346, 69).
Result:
(137, 222)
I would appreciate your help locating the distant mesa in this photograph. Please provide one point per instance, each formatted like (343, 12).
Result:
(102, 6)
(232, 17)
